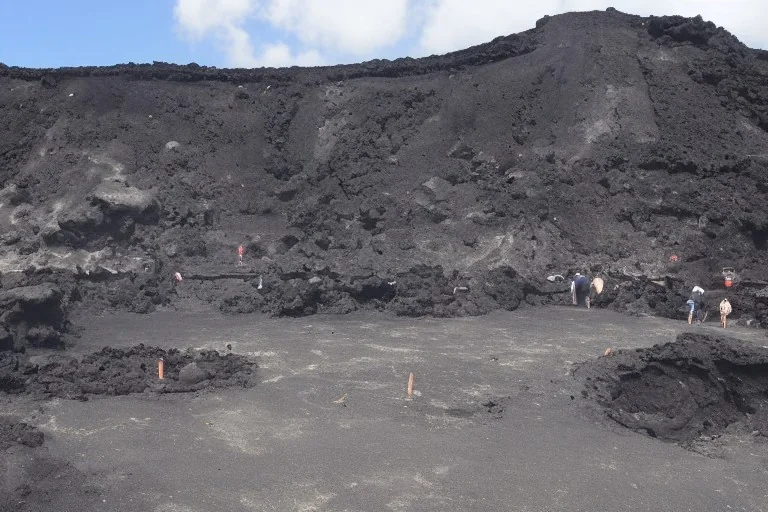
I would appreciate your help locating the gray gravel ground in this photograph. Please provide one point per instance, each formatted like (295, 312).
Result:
(285, 445)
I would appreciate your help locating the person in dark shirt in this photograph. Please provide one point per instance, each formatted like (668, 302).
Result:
(580, 290)
(698, 310)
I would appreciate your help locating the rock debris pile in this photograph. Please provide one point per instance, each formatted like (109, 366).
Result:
(120, 372)
(698, 385)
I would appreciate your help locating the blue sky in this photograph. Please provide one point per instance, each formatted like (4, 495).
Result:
(54, 33)
(252, 33)
(45, 33)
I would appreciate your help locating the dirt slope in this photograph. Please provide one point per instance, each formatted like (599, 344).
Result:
(597, 142)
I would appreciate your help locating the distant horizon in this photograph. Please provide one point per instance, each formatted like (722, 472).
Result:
(253, 34)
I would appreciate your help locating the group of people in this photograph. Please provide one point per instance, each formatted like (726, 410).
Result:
(583, 292)
(697, 310)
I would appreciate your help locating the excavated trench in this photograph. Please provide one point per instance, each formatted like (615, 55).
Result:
(121, 372)
(695, 387)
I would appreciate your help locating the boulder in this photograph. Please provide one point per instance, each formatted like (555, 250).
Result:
(80, 218)
(192, 374)
(38, 295)
(438, 188)
(118, 197)
(462, 151)
(43, 336)
(288, 190)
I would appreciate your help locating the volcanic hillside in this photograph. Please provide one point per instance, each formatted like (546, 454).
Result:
(596, 142)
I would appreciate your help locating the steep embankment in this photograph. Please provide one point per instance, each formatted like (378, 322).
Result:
(599, 142)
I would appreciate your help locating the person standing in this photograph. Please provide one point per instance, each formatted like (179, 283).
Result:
(691, 310)
(240, 253)
(580, 290)
(698, 312)
(725, 310)
(595, 289)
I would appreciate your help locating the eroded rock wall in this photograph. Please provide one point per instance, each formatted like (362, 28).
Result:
(596, 142)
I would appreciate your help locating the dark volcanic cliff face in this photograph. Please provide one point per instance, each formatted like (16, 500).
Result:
(598, 142)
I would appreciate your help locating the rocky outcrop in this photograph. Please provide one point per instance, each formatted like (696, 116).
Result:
(31, 316)
(595, 142)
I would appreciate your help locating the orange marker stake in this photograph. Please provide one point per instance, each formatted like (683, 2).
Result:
(410, 385)
(161, 369)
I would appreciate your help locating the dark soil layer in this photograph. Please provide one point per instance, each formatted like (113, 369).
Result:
(120, 372)
(697, 386)
(452, 185)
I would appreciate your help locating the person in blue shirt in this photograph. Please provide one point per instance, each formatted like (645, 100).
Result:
(691, 310)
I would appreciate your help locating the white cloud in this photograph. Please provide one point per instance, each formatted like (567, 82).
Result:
(279, 55)
(202, 16)
(225, 21)
(348, 27)
(455, 24)
(222, 19)
(239, 48)
(357, 27)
